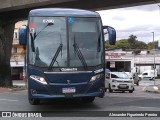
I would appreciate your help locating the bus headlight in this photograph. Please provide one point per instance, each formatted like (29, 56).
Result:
(38, 79)
(95, 77)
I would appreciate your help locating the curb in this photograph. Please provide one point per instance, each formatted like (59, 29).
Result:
(18, 87)
(3, 89)
(151, 89)
(10, 89)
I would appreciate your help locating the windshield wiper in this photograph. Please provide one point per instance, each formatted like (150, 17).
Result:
(32, 42)
(99, 43)
(79, 53)
(56, 55)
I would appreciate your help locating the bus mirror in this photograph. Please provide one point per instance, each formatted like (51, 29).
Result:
(111, 34)
(23, 35)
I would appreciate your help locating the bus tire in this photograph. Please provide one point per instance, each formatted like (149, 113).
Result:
(88, 99)
(33, 101)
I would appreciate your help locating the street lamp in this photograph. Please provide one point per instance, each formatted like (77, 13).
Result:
(154, 58)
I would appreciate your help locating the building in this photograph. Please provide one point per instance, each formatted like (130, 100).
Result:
(17, 54)
(118, 60)
(129, 61)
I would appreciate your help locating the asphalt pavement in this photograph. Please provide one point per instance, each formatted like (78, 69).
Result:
(146, 85)
(117, 101)
(150, 85)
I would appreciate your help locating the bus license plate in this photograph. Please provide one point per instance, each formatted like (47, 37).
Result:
(68, 90)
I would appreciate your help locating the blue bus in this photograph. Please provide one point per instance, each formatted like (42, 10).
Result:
(65, 54)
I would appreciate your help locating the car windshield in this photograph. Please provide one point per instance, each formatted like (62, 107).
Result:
(119, 75)
(65, 42)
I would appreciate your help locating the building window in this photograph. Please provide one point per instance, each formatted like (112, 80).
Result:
(14, 50)
(15, 35)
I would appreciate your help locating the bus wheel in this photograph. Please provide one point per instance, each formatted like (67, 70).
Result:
(33, 101)
(88, 99)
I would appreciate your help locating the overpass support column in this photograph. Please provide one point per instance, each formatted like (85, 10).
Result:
(6, 39)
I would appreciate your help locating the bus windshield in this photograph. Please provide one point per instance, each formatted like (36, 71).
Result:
(65, 42)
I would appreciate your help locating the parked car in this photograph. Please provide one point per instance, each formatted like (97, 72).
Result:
(148, 74)
(119, 81)
(135, 77)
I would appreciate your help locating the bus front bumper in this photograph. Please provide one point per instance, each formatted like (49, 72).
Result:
(68, 95)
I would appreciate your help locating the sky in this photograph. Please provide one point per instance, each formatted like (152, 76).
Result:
(140, 21)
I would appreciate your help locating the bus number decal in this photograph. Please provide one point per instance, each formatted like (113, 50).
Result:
(48, 21)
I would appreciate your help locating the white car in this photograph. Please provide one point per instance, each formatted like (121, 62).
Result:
(135, 77)
(119, 81)
(148, 74)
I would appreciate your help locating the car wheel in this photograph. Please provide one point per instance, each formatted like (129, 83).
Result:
(105, 89)
(33, 101)
(140, 78)
(137, 83)
(88, 99)
(131, 91)
(110, 90)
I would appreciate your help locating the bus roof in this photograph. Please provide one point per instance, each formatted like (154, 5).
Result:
(63, 12)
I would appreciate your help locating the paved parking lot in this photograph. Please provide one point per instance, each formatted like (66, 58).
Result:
(149, 82)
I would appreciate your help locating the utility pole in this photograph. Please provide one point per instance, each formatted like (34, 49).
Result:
(154, 58)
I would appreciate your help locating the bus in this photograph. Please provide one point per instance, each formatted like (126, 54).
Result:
(65, 54)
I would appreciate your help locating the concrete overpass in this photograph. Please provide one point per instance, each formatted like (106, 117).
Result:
(20, 8)
(12, 11)
(9, 5)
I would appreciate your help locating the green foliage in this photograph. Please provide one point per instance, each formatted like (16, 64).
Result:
(130, 43)
(132, 39)
(151, 45)
(119, 44)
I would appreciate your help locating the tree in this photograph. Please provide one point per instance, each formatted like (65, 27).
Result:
(150, 45)
(139, 45)
(132, 40)
(6, 38)
(130, 43)
(119, 44)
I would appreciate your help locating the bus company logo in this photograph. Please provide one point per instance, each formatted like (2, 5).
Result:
(68, 69)
(68, 82)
